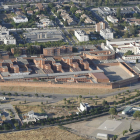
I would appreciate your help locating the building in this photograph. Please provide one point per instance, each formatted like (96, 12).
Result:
(81, 35)
(84, 107)
(44, 23)
(131, 58)
(105, 11)
(57, 50)
(9, 40)
(112, 19)
(78, 12)
(5, 37)
(134, 47)
(40, 6)
(43, 35)
(106, 33)
(20, 19)
(87, 19)
(133, 21)
(100, 26)
(29, 13)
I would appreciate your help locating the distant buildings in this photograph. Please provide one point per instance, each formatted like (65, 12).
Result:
(5, 37)
(100, 26)
(20, 19)
(57, 51)
(112, 19)
(44, 23)
(43, 35)
(106, 33)
(81, 35)
(87, 20)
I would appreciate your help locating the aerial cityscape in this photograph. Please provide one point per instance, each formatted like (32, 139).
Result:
(69, 70)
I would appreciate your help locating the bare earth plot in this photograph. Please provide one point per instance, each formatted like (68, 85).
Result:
(115, 73)
(50, 133)
(59, 90)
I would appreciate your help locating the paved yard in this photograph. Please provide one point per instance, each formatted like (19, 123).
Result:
(115, 73)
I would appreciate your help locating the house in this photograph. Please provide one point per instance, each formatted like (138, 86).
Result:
(78, 12)
(84, 107)
(40, 6)
(112, 19)
(20, 19)
(61, 10)
(81, 35)
(87, 19)
(29, 13)
(106, 33)
(133, 21)
(58, 6)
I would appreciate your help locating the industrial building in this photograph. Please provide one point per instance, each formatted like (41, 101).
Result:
(43, 35)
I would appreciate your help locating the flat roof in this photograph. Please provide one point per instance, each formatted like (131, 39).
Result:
(100, 76)
(127, 109)
(52, 75)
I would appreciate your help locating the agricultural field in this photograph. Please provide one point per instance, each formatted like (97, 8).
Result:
(51, 133)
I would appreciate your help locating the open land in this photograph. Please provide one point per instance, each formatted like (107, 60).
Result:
(59, 90)
(51, 133)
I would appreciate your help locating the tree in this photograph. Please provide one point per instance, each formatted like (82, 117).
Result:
(119, 13)
(136, 114)
(36, 95)
(25, 101)
(42, 95)
(96, 103)
(113, 111)
(80, 96)
(129, 53)
(130, 129)
(73, 9)
(42, 103)
(16, 94)
(104, 102)
(28, 5)
(3, 93)
(9, 94)
(66, 23)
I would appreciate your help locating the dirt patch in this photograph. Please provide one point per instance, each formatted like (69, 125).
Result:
(51, 133)
(59, 90)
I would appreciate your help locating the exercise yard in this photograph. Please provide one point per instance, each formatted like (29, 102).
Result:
(115, 73)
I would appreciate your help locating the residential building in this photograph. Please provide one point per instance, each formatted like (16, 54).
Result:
(20, 19)
(44, 23)
(5, 37)
(106, 33)
(29, 13)
(57, 50)
(9, 40)
(112, 19)
(100, 26)
(84, 107)
(87, 19)
(78, 12)
(81, 35)
(40, 6)
(131, 58)
(133, 21)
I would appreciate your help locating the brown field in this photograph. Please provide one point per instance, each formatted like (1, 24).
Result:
(51, 133)
(59, 90)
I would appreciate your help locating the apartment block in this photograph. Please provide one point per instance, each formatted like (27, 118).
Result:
(100, 26)
(56, 51)
(81, 35)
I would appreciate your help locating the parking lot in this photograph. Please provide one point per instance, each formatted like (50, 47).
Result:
(103, 125)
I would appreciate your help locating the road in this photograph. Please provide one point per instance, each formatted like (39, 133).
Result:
(53, 98)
